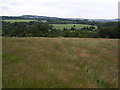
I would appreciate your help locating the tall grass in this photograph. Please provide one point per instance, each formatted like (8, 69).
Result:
(59, 63)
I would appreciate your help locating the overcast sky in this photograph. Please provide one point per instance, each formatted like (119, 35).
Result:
(94, 9)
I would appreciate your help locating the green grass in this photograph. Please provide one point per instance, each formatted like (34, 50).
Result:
(69, 26)
(17, 20)
(60, 63)
(44, 21)
(12, 59)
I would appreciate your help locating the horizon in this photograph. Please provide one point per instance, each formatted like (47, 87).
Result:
(86, 9)
(64, 17)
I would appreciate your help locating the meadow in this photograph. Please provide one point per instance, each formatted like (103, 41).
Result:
(36, 62)
(69, 26)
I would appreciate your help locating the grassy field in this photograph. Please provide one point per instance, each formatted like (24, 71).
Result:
(60, 63)
(17, 20)
(69, 26)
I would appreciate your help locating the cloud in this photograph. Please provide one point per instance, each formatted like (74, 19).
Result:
(61, 8)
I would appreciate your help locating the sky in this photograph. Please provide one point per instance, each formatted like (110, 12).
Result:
(87, 9)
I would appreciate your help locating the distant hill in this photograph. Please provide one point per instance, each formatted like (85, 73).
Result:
(104, 20)
(36, 16)
(56, 18)
(28, 17)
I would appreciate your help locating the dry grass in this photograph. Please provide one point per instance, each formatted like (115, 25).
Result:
(60, 62)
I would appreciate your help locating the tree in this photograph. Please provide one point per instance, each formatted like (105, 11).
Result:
(19, 30)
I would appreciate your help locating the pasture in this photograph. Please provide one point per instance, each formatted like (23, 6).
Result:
(34, 62)
(69, 26)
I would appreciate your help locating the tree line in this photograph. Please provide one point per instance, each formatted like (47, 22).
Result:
(40, 29)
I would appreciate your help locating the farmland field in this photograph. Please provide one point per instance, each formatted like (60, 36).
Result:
(60, 62)
(17, 20)
(69, 26)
